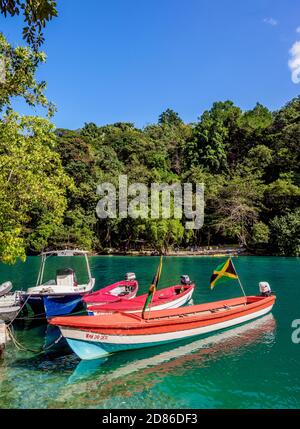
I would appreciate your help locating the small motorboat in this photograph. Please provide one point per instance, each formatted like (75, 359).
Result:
(169, 297)
(8, 314)
(197, 351)
(10, 304)
(92, 337)
(61, 295)
(123, 290)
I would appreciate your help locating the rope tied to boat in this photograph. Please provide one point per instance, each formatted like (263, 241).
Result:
(43, 316)
(21, 347)
(20, 310)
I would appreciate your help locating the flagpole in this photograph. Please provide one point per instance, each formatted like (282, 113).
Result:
(241, 286)
(153, 286)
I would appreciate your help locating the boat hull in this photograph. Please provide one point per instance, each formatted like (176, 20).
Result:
(62, 306)
(9, 314)
(36, 304)
(134, 307)
(93, 345)
(112, 293)
(51, 306)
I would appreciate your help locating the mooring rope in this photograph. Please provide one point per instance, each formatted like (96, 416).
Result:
(20, 346)
(35, 316)
(21, 308)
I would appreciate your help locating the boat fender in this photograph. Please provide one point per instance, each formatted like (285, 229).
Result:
(265, 289)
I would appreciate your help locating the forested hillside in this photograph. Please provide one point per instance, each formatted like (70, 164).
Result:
(249, 162)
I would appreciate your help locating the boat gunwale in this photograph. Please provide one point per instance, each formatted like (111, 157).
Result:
(105, 291)
(105, 309)
(157, 322)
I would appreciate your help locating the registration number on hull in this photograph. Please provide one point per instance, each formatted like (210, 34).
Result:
(95, 337)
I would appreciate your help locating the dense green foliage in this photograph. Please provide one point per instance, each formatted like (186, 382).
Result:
(249, 162)
(32, 185)
(36, 13)
(18, 66)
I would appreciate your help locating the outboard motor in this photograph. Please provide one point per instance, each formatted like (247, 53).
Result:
(5, 288)
(185, 280)
(130, 276)
(265, 289)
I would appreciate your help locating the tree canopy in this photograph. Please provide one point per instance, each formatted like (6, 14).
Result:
(36, 14)
(233, 152)
(251, 195)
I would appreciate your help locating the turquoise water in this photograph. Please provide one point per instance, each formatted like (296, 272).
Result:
(255, 365)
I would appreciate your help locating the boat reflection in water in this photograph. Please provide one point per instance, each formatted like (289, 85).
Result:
(54, 343)
(101, 377)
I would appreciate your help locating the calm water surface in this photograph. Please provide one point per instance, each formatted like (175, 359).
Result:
(255, 365)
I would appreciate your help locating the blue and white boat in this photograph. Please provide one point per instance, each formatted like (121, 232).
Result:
(62, 295)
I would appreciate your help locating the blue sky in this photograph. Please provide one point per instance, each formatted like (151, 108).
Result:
(117, 60)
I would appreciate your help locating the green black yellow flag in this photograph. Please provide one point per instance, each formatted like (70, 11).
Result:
(153, 286)
(223, 272)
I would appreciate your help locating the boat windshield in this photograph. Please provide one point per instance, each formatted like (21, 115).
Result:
(65, 270)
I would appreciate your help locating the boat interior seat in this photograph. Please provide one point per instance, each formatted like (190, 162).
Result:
(179, 290)
(165, 295)
(65, 280)
(66, 277)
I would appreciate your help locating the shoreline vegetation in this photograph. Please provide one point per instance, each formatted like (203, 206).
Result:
(192, 251)
(215, 253)
(249, 162)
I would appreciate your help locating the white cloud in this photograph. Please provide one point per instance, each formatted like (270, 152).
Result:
(294, 62)
(271, 21)
(298, 30)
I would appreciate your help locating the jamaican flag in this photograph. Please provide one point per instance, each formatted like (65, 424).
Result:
(153, 286)
(222, 273)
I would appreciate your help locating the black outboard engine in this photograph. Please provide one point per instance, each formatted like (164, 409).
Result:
(185, 280)
(265, 289)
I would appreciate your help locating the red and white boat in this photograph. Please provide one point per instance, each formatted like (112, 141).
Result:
(92, 337)
(169, 297)
(122, 290)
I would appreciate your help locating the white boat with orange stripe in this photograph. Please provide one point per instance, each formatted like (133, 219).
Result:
(92, 337)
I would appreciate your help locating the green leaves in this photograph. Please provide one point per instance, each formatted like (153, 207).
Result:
(32, 185)
(248, 162)
(235, 154)
(210, 138)
(20, 66)
(238, 207)
(163, 233)
(260, 233)
(286, 233)
(36, 14)
(170, 118)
